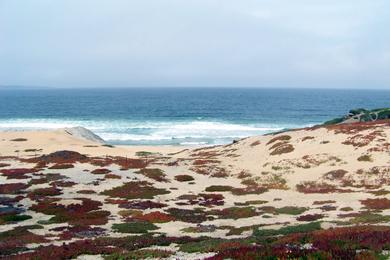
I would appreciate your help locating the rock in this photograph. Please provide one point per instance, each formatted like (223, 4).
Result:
(361, 115)
(83, 133)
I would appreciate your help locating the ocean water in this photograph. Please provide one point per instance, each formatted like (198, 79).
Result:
(179, 116)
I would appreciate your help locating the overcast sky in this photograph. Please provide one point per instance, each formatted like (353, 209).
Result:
(250, 43)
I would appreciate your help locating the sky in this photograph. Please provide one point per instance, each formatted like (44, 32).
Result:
(197, 43)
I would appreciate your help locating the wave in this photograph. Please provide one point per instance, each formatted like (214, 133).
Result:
(194, 132)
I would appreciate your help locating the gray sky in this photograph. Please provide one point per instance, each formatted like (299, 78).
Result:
(265, 43)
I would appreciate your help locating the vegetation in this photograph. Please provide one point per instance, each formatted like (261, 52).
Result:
(136, 227)
(184, 178)
(135, 190)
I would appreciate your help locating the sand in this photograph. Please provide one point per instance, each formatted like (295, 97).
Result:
(337, 167)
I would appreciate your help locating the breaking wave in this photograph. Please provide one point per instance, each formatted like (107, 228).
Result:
(196, 132)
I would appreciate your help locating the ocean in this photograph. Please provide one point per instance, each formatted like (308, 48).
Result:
(179, 116)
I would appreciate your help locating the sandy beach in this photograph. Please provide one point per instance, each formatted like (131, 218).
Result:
(68, 187)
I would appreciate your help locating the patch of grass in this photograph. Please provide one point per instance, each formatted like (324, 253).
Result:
(322, 202)
(14, 218)
(218, 188)
(212, 245)
(135, 190)
(381, 192)
(290, 210)
(279, 138)
(346, 209)
(32, 150)
(13, 188)
(370, 218)
(310, 217)
(233, 231)
(112, 176)
(155, 217)
(365, 158)
(376, 204)
(199, 229)
(155, 174)
(304, 228)
(335, 175)
(144, 153)
(129, 213)
(44, 192)
(188, 215)
(101, 171)
(235, 212)
(60, 166)
(307, 138)
(250, 202)
(19, 140)
(141, 254)
(134, 227)
(283, 148)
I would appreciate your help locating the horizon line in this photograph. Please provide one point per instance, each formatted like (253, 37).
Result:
(36, 87)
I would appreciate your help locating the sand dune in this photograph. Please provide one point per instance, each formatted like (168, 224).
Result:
(191, 203)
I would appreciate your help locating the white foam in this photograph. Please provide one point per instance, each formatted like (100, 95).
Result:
(177, 132)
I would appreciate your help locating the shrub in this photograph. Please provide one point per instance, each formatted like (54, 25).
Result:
(184, 178)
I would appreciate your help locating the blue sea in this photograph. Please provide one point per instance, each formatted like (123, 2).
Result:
(179, 116)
